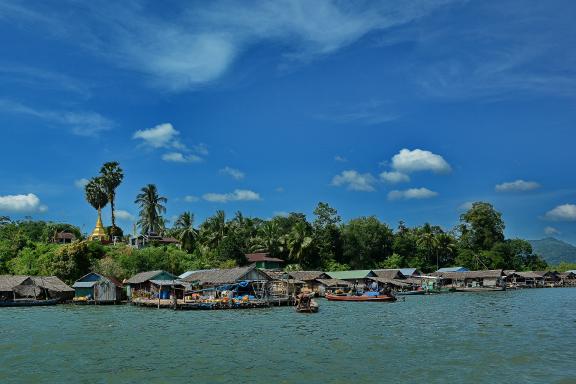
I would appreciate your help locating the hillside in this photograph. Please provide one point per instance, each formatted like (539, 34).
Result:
(554, 251)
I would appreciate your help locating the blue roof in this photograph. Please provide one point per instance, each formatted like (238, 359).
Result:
(407, 271)
(453, 269)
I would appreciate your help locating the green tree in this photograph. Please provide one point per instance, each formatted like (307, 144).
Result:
(111, 177)
(151, 209)
(214, 230)
(185, 231)
(96, 194)
(299, 242)
(326, 235)
(365, 242)
(481, 227)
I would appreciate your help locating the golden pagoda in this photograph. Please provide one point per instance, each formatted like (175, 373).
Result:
(99, 233)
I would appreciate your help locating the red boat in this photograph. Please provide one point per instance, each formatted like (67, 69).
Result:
(360, 298)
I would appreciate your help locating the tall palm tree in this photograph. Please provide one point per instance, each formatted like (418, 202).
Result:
(151, 209)
(95, 193)
(427, 240)
(112, 176)
(299, 241)
(214, 229)
(268, 238)
(185, 231)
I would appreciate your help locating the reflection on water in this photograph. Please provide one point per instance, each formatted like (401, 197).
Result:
(521, 336)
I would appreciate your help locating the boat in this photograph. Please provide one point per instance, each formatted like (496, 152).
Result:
(376, 298)
(305, 304)
(477, 289)
(409, 293)
(29, 303)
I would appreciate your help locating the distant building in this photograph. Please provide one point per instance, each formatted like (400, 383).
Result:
(63, 237)
(264, 261)
(453, 269)
(352, 276)
(33, 287)
(149, 283)
(97, 288)
(143, 241)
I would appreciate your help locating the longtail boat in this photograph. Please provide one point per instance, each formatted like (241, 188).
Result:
(378, 298)
(29, 303)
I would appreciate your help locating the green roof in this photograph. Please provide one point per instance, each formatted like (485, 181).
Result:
(346, 275)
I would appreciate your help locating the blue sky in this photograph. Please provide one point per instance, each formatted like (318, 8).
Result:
(404, 110)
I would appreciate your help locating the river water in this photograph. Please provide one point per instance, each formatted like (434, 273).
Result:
(526, 336)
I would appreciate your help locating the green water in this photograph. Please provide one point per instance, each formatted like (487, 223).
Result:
(517, 336)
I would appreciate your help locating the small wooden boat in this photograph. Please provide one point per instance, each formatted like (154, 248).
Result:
(29, 303)
(378, 298)
(478, 289)
(305, 304)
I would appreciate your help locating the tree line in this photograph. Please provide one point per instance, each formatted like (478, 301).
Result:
(324, 243)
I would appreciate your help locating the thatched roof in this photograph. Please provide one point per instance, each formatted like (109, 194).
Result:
(334, 282)
(52, 283)
(224, 276)
(395, 282)
(145, 276)
(526, 275)
(307, 275)
(8, 282)
(389, 273)
(256, 257)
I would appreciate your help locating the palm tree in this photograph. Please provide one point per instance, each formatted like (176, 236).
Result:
(268, 238)
(96, 194)
(299, 241)
(184, 229)
(428, 241)
(112, 176)
(151, 209)
(214, 229)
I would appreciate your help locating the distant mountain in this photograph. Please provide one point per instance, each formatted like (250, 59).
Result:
(554, 251)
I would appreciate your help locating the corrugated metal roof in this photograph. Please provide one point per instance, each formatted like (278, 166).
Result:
(166, 282)
(453, 269)
(84, 284)
(356, 274)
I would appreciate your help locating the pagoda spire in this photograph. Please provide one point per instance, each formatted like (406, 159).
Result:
(99, 233)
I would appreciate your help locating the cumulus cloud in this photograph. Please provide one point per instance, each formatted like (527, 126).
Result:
(177, 157)
(21, 203)
(355, 181)
(191, 198)
(551, 231)
(412, 193)
(81, 123)
(394, 177)
(466, 206)
(340, 159)
(81, 183)
(564, 212)
(233, 173)
(518, 185)
(237, 195)
(124, 215)
(160, 136)
(407, 161)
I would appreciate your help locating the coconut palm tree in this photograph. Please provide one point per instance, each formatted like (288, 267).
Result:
(185, 231)
(299, 241)
(214, 229)
(111, 175)
(268, 238)
(151, 209)
(428, 241)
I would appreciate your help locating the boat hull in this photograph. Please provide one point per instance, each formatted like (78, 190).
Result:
(381, 298)
(470, 289)
(29, 303)
(410, 293)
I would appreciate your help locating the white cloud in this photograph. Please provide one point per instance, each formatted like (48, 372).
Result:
(279, 189)
(340, 159)
(394, 177)
(201, 149)
(407, 161)
(412, 193)
(466, 206)
(551, 231)
(518, 185)
(201, 42)
(233, 172)
(564, 212)
(81, 123)
(161, 136)
(177, 157)
(81, 183)
(237, 195)
(124, 215)
(355, 181)
(21, 203)
(281, 213)
(191, 198)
